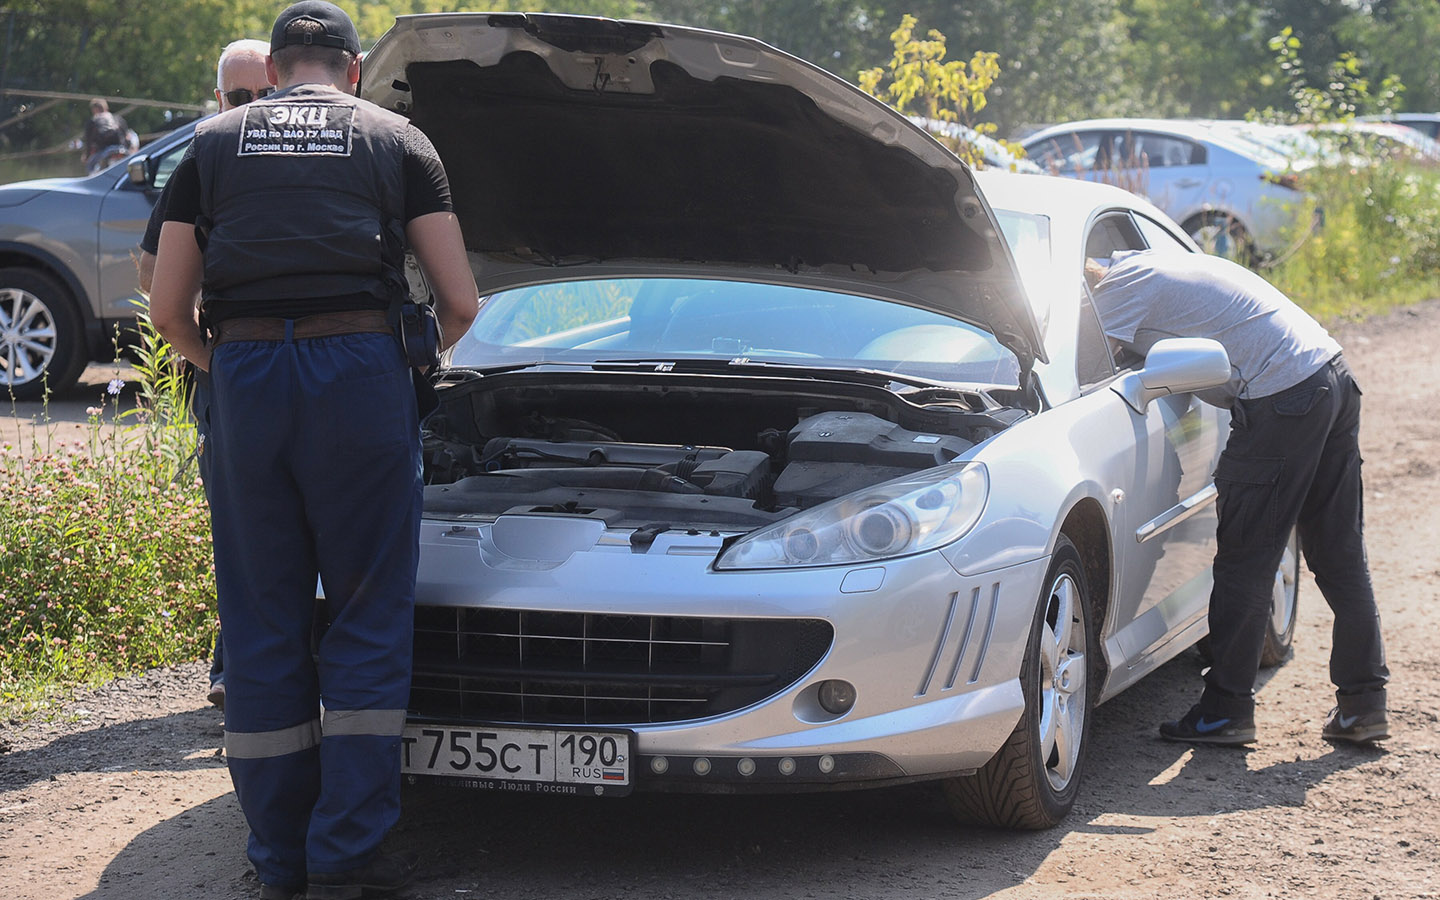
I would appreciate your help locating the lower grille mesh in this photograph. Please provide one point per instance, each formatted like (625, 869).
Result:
(500, 665)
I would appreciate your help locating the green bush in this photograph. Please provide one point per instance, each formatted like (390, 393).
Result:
(1379, 246)
(105, 557)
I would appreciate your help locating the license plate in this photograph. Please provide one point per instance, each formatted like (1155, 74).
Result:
(537, 760)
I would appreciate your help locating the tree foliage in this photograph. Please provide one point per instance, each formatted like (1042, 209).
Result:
(920, 81)
(1057, 60)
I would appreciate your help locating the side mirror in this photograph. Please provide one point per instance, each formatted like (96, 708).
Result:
(139, 169)
(1175, 366)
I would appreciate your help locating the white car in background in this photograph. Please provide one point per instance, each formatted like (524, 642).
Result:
(1235, 196)
(777, 459)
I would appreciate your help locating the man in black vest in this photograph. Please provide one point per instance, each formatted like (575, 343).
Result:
(302, 202)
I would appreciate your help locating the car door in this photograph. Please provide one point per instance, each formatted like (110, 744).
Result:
(124, 213)
(1166, 518)
(1176, 171)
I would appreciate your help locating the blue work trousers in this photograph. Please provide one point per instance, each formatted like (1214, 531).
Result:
(1293, 460)
(314, 470)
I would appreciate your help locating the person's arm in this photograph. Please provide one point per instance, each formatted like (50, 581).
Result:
(440, 250)
(150, 241)
(433, 233)
(178, 270)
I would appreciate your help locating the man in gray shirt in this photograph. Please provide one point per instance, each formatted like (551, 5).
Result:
(1292, 460)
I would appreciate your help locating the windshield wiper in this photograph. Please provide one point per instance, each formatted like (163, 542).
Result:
(746, 364)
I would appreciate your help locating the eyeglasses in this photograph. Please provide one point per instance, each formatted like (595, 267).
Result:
(242, 96)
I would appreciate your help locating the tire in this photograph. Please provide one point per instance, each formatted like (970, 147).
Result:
(1032, 781)
(1222, 234)
(42, 346)
(1284, 608)
(1284, 611)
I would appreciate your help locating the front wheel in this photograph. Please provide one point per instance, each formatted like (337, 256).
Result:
(41, 342)
(1032, 781)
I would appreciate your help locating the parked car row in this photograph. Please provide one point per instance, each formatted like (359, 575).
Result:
(1236, 187)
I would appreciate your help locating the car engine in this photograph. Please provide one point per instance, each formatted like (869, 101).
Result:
(699, 452)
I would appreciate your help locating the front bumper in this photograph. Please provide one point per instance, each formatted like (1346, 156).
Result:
(933, 656)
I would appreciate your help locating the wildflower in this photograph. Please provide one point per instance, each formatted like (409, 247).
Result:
(115, 386)
(92, 410)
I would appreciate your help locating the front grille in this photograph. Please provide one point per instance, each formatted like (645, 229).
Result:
(503, 665)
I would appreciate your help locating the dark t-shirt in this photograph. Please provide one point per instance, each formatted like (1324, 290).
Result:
(427, 190)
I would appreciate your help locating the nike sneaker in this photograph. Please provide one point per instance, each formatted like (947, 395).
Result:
(1360, 728)
(1197, 727)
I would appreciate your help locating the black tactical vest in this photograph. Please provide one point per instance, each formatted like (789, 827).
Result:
(302, 197)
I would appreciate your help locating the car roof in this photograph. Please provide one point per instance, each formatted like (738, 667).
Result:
(1200, 130)
(1039, 194)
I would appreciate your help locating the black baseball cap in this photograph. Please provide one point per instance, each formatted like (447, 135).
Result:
(338, 31)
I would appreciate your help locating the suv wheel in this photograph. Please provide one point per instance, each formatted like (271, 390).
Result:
(41, 344)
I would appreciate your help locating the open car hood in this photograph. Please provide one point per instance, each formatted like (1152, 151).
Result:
(581, 147)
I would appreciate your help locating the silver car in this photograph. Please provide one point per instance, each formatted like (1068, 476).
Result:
(785, 453)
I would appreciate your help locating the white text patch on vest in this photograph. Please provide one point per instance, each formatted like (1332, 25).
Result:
(297, 129)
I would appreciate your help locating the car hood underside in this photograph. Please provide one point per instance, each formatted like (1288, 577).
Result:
(604, 147)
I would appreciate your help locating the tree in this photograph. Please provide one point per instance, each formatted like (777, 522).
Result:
(919, 81)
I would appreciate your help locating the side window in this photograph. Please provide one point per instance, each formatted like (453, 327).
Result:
(164, 166)
(1160, 238)
(1067, 153)
(1094, 363)
(1112, 233)
(1160, 150)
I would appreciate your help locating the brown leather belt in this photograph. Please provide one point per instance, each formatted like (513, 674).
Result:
(360, 321)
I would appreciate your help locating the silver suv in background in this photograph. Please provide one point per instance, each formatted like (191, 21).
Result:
(67, 266)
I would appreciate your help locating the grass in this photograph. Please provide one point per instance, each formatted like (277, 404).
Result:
(1379, 247)
(105, 558)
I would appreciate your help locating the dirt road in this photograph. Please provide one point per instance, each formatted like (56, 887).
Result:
(127, 797)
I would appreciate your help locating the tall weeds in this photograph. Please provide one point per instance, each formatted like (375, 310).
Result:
(105, 559)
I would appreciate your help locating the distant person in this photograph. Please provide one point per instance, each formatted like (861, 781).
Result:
(239, 78)
(1292, 460)
(106, 135)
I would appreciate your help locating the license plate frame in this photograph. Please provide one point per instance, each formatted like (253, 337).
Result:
(521, 759)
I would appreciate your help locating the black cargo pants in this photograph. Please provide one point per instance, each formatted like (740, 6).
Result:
(1293, 458)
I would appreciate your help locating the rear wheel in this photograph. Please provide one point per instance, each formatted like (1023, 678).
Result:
(1285, 596)
(41, 341)
(1032, 781)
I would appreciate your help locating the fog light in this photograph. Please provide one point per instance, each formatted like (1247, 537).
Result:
(836, 697)
(746, 766)
(787, 766)
(702, 766)
(827, 764)
(659, 765)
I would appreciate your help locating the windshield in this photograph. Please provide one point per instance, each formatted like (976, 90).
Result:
(676, 319)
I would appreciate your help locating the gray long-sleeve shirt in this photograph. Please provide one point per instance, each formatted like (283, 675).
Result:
(1273, 344)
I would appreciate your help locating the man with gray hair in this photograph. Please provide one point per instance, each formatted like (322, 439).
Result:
(239, 78)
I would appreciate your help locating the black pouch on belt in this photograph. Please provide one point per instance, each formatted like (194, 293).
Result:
(420, 335)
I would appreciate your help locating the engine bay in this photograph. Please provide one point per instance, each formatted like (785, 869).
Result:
(712, 453)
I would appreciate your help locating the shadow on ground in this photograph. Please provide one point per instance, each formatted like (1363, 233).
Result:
(897, 842)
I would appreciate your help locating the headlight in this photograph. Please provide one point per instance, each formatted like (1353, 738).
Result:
(908, 515)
